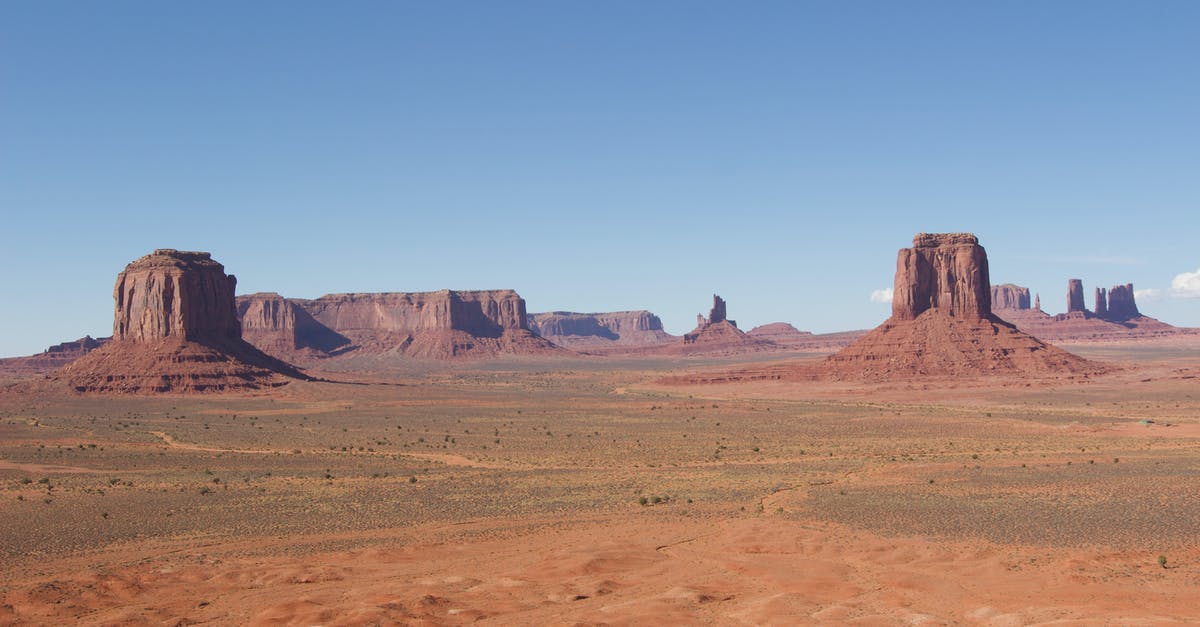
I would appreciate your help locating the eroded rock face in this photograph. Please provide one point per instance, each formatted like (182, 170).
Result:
(483, 313)
(942, 324)
(1009, 296)
(427, 325)
(630, 328)
(1075, 296)
(175, 294)
(279, 326)
(945, 271)
(717, 313)
(717, 333)
(175, 329)
(1121, 305)
(1101, 306)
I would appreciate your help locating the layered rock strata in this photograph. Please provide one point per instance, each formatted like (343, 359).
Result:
(175, 329)
(946, 328)
(427, 325)
(1009, 296)
(600, 330)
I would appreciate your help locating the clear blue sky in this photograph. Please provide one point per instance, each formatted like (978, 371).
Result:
(595, 156)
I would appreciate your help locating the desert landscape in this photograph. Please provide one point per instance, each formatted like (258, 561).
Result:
(944, 468)
(599, 313)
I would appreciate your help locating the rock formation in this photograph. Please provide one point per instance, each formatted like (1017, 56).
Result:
(52, 358)
(780, 333)
(281, 327)
(717, 313)
(1009, 296)
(1075, 296)
(946, 271)
(600, 330)
(1037, 302)
(716, 333)
(1121, 305)
(427, 325)
(175, 328)
(1115, 319)
(942, 323)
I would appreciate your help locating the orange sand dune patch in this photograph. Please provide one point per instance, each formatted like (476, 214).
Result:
(633, 569)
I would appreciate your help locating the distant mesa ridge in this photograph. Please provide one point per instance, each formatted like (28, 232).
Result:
(1114, 317)
(175, 329)
(588, 330)
(430, 325)
(1009, 296)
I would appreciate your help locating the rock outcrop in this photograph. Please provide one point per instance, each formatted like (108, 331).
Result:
(586, 331)
(1115, 319)
(781, 333)
(716, 333)
(1009, 296)
(52, 358)
(944, 271)
(175, 294)
(175, 329)
(1075, 296)
(944, 326)
(281, 327)
(1121, 305)
(426, 325)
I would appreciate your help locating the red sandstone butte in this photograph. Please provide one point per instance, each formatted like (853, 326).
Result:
(944, 271)
(175, 329)
(941, 326)
(716, 333)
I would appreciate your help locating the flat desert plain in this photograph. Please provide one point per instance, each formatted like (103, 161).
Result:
(573, 491)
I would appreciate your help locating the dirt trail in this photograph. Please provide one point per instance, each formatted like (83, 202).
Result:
(47, 468)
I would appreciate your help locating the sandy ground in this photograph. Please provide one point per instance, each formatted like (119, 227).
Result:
(570, 493)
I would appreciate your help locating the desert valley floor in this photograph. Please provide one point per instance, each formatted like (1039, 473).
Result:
(588, 491)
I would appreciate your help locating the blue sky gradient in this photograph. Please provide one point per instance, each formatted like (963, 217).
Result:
(596, 156)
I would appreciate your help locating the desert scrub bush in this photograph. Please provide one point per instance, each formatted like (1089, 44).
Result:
(1162, 561)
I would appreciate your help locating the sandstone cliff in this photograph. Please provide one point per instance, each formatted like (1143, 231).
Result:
(600, 330)
(283, 328)
(1075, 296)
(175, 329)
(944, 271)
(371, 326)
(1121, 305)
(174, 294)
(1009, 296)
(944, 326)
